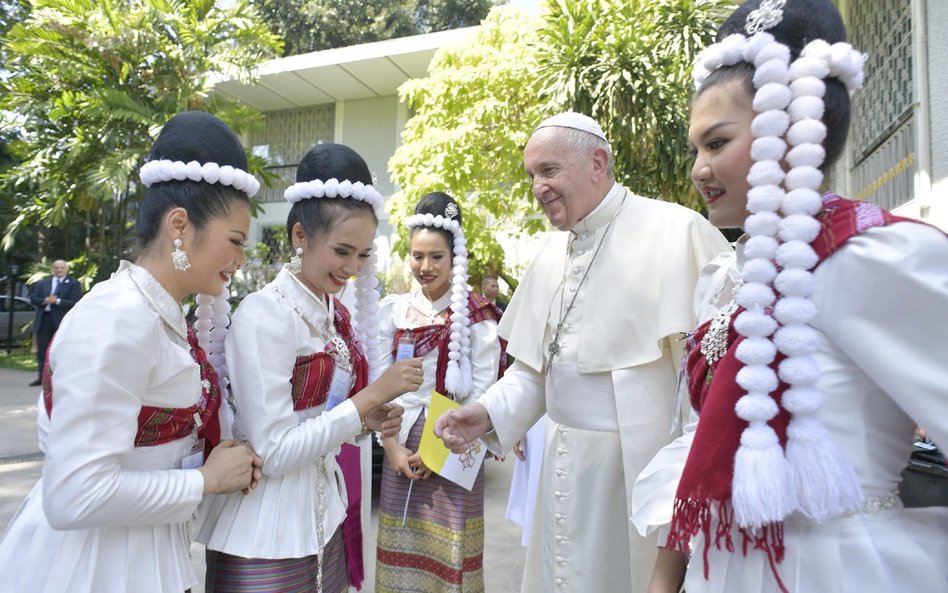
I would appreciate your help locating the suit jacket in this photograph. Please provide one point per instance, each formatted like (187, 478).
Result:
(68, 292)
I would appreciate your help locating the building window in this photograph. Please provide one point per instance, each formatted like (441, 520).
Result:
(285, 138)
(882, 137)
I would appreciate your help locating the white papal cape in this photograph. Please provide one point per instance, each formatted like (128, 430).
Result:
(610, 394)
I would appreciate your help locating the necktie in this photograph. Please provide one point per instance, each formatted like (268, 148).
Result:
(52, 291)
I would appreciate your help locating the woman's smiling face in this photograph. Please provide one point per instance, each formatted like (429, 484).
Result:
(430, 261)
(331, 258)
(720, 139)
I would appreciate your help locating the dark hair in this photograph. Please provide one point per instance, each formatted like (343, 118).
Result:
(802, 22)
(325, 162)
(435, 204)
(191, 136)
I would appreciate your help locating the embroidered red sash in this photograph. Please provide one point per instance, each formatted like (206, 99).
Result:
(310, 383)
(705, 486)
(157, 426)
(429, 337)
(312, 374)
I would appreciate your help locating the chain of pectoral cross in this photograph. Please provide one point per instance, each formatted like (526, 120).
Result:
(554, 347)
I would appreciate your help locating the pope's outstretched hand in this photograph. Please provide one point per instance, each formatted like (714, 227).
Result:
(460, 426)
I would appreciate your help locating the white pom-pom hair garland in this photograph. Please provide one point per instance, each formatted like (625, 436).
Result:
(458, 376)
(811, 475)
(212, 322)
(333, 188)
(162, 170)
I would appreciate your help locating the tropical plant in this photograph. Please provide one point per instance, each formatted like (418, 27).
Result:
(312, 25)
(89, 85)
(472, 117)
(627, 63)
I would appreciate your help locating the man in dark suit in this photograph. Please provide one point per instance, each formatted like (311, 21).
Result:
(53, 297)
(490, 289)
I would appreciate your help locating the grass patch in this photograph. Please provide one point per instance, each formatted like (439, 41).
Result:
(20, 359)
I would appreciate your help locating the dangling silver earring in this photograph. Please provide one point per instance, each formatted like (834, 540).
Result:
(296, 262)
(179, 257)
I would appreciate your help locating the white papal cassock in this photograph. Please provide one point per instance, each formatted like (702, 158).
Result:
(610, 393)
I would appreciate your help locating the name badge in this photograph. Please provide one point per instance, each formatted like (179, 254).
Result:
(339, 388)
(405, 348)
(195, 458)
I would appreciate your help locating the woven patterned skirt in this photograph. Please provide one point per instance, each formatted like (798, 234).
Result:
(233, 574)
(440, 548)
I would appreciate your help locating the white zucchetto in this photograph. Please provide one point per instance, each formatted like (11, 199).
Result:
(576, 121)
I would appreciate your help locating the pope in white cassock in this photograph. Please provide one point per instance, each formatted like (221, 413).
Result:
(595, 328)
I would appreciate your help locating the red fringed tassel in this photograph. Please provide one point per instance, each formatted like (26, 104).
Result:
(769, 539)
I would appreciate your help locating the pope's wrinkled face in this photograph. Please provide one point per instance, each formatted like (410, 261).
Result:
(564, 180)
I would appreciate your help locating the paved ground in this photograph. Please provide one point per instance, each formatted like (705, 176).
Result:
(21, 465)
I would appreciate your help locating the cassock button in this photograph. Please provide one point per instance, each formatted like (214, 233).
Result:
(561, 560)
(561, 473)
(560, 517)
(561, 451)
(561, 429)
(559, 581)
(577, 269)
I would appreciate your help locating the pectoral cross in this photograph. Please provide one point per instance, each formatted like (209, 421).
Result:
(554, 346)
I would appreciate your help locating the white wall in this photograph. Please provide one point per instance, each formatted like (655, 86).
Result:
(938, 106)
(370, 127)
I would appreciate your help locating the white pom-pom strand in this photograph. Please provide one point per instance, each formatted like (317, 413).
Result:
(772, 96)
(760, 247)
(758, 271)
(757, 378)
(806, 155)
(807, 131)
(756, 351)
(790, 310)
(799, 227)
(802, 201)
(768, 148)
(796, 254)
(765, 198)
(753, 294)
(770, 123)
(765, 173)
(759, 408)
(804, 177)
(755, 324)
(796, 340)
(762, 223)
(795, 282)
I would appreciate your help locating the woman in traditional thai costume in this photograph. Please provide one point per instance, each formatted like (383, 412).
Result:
(823, 345)
(432, 540)
(302, 388)
(130, 402)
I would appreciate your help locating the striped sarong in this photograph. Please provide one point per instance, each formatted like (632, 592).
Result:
(440, 548)
(233, 574)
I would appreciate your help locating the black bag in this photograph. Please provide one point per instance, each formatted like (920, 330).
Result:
(925, 479)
